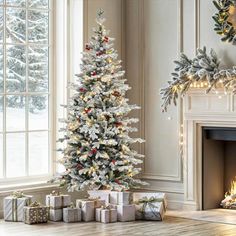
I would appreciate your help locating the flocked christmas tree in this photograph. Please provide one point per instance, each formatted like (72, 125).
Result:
(98, 153)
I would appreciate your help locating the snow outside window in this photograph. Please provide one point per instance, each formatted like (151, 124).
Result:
(25, 88)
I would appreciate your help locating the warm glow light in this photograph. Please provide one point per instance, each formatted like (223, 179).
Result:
(232, 190)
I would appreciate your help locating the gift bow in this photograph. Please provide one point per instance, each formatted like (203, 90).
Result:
(55, 193)
(17, 194)
(72, 205)
(35, 204)
(107, 207)
(149, 202)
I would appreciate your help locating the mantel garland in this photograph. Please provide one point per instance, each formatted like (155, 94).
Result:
(201, 72)
(223, 26)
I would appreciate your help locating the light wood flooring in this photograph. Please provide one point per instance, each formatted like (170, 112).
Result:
(170, 226)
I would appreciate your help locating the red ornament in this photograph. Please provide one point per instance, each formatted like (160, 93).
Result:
(99, 53)
(93, 151)
(82, 90)
(79, 166)
(117, 124)
(113, 162)
(87, 110)
(93, 73)
(106, 39)
(117, 181)
(87, 47)
(116, 94)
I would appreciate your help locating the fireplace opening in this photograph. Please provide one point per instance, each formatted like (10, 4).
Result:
(218, 165)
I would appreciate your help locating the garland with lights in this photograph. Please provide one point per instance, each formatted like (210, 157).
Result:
(223, 26)
(200, 72)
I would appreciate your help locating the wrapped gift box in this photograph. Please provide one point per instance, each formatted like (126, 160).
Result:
(106, 215)
(139, 195)
(149, 209)
(71, 214)
(35, 213)
(88, 207)
(56, 200)
(120, 198)
(14, 206)
(55, 214)
(101, 194)
(126, 212)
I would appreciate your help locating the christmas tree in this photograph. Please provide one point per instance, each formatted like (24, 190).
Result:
(98, 152)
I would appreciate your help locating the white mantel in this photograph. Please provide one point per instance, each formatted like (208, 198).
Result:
(201, 109)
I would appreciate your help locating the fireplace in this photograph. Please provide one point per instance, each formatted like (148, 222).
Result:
(209, 144)
(218, 164)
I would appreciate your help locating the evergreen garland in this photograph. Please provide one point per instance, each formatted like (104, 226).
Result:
(204, 70)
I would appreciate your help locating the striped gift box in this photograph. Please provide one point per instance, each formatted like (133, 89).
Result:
(14, 207)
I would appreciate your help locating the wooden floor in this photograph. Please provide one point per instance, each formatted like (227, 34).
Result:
(170, 226)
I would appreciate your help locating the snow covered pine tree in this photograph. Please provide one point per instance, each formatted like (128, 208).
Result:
(98, 153)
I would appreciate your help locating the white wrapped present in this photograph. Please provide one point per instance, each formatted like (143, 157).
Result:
(56, 200)
(71, 214)
(139, 195)
(149, 209)
(88, 207)
(126, 212)
(120, 198)
(106, 215)
(14, 206)
(55, 214)
(101, 194)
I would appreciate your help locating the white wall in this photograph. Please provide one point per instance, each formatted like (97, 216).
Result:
(156, 32)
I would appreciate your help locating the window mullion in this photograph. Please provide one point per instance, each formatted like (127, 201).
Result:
(4, 97)
(26, 96)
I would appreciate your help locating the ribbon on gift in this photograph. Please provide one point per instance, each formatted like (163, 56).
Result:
(106, 207)
(35, 204)
(72, 205)
(149, 202)
(17, 194)
(96, 201)
(57, 194)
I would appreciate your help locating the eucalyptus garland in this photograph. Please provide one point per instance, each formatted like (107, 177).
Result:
(223, 26)
(202, 70)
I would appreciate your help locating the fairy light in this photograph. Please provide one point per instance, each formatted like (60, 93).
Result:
(181, 136)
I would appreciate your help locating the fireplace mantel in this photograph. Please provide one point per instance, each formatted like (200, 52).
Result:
(215, 109)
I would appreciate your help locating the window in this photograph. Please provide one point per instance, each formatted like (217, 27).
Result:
(25, 89)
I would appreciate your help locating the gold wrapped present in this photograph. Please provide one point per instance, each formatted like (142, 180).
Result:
(36, 213)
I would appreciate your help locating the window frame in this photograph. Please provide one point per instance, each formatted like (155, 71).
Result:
(62, 63)
(11, 182)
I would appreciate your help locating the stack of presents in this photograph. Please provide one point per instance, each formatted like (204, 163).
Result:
(101, 206)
